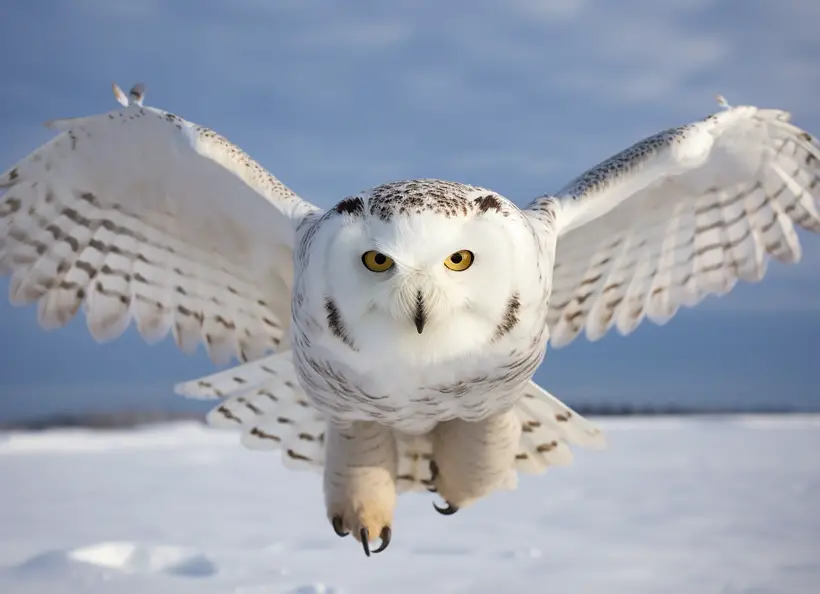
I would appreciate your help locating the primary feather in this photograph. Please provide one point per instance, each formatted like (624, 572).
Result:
(681, 215)
(138, 214)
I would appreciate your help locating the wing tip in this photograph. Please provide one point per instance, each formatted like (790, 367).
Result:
(721, 101)
(119, 95)
(560, 339)
(137, 93)
(135, 96)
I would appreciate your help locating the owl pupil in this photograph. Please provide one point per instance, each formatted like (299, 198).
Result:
(380, 259)
(456, 258)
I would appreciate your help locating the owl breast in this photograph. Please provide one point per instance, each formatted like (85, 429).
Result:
(414, 398)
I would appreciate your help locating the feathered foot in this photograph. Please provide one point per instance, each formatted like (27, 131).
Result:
(360, 487)
(473, 459)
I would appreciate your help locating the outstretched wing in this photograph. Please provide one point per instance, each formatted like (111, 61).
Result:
(140, 214)
(679, 216)
(265, 402)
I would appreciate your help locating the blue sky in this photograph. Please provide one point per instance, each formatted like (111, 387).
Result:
(519, 96)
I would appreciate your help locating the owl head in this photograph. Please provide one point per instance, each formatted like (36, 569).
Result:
(428, 268)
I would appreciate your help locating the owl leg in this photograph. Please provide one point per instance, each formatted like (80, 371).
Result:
(360, 481)
(472, 459)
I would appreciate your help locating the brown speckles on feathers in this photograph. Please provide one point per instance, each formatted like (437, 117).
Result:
(352, 206)
(487, 203)
(510, 319)
(449, 199)
(336, 324)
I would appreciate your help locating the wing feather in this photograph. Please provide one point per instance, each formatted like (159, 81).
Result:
(681, 215)
(139, 215)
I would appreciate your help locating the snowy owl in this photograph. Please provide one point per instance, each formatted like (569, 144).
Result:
(391, 339)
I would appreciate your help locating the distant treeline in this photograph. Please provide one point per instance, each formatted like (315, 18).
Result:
(101, 420)
(625, 410)
(125, 419)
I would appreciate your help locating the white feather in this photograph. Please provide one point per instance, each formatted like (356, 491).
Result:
(139, 214)
(681, 215)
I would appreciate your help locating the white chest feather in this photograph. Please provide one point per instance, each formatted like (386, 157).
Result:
(412, 392)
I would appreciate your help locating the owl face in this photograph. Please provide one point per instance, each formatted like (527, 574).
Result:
(425, 276)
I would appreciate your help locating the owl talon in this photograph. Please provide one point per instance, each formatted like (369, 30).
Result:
(385, 535)
(446, 511)
(365, 536)
(433, 477)
(338, 526)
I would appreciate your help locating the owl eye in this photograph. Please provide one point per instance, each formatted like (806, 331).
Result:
(459, 261)
(376, 261)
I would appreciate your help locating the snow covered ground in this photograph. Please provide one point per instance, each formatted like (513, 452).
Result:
(677, 505)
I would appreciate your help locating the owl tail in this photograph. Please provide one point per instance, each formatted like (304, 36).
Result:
(264, 400)
(548, 428)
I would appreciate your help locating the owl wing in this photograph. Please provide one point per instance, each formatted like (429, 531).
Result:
(264, 401)
(139, 214)
(681, 215)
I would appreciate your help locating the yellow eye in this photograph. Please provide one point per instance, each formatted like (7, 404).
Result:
(459, 261)
(376, 261)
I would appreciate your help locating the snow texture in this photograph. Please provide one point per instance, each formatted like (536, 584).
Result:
(675, 505)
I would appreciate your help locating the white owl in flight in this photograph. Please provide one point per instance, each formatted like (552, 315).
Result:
(391, 339)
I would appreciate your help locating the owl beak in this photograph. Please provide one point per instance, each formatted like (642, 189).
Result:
(419, 316)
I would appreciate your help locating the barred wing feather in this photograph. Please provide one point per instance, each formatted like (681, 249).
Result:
(681, 215)
(138, 214)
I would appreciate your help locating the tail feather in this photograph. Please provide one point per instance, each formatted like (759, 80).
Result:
(242, 378)
(415, 453)
(302, 443)
(264, 400)
(558, 417)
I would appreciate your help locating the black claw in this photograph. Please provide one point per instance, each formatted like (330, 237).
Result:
(365, 538)
(433, 476)
(446, 511)
(385, 535)
(433, 471)
(337, 526)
